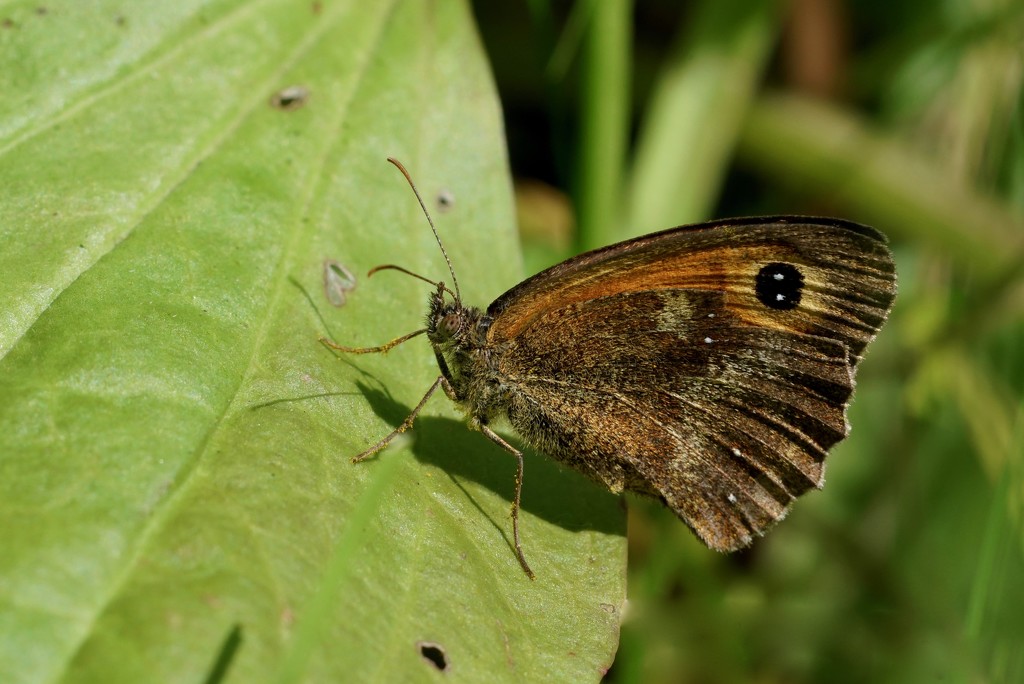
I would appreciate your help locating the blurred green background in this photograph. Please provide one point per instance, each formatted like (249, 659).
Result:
(628, 117)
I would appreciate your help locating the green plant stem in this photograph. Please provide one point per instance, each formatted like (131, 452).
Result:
(698, 104)
(604, 122)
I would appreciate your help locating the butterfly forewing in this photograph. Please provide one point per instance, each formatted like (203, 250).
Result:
(848, 272)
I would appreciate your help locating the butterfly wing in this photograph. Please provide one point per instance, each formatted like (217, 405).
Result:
(709, 366)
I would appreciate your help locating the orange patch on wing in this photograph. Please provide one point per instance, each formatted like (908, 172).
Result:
(729, 270)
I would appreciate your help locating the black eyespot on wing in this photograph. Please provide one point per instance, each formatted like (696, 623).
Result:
(779, 286)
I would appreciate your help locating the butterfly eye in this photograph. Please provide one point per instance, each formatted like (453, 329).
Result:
(779, 286)
(450, 324)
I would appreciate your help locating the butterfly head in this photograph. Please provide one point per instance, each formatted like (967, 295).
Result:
(450, 324)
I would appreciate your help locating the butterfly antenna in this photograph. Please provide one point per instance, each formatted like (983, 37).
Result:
(455, 281)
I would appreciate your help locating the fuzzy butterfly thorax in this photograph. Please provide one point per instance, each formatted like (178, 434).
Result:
(458, 335)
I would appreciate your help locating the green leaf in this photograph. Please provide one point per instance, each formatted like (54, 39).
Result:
(176, 496)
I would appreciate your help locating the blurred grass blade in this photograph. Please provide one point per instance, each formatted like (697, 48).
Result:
(568, 46)
(604, 126)
(688, 135)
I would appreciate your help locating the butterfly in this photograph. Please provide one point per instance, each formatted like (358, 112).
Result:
(708, 366)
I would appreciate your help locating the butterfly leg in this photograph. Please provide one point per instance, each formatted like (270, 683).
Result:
(494, 437)
(406, 424)
(382, 349)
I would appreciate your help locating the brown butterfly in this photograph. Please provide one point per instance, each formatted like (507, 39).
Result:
(708, 366)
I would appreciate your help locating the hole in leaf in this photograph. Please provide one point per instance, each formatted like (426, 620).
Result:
(445, 200)
(433, 654)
